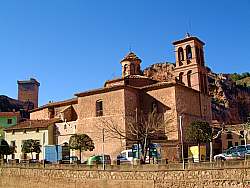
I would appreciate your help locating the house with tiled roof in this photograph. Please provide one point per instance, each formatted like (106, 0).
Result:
(41, 130)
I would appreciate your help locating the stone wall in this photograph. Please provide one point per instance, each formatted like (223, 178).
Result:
(133, 178)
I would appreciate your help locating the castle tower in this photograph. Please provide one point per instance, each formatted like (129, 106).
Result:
(190, 66)
(28, 91)
(131, 65)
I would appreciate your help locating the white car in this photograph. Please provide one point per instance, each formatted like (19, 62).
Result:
(233, 153)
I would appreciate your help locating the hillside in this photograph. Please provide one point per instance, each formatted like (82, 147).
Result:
(230, 96)
(244, 81)
(8, 104)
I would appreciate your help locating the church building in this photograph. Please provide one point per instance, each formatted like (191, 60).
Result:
(122, 100)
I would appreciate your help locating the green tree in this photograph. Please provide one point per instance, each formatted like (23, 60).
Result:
(81, 142)
(5, 148)
(199, 132)
(31, 146)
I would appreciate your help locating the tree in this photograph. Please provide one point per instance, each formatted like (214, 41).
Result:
(199, 132)
(81, 142)
(149, 126)
(5, 148)
(31, 146)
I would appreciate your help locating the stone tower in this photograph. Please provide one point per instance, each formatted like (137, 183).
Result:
(190, 66)
(131, 65)
(28, 91)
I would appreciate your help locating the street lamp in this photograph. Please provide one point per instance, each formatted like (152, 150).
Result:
(182, 147)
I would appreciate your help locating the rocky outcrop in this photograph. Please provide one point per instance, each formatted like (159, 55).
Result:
(160, 71)
(230, 102)
(8, 104)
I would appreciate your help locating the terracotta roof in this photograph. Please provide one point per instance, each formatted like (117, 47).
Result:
(158, 85)
(104, 90)
(187, 39)
(128, 77)
(9, 114)
(100, 90)
(131, 57)
(56, 104)
(31, 124)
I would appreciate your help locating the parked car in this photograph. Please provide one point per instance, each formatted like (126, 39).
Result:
(125, 156)
(234, 153)
(98, 159)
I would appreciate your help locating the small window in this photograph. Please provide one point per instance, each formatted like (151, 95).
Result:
(25, 156)
(125, 70)
(99, 108)
(229, 135)
(37, 130)
(154, 107)
(13, 156)
(9, 121)
(37, 156)
(229, 144)
(13, 143)
(180, 56)
(236, 143)
(241, 134)
(189, 78)
(13, 131)
(202, 57)
(242, 142)
(65, 126)
(197, 52)
(181, 77)
(189, 52)
(24, 131)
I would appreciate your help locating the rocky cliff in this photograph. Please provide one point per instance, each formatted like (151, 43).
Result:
(8, 104)
(230, 100)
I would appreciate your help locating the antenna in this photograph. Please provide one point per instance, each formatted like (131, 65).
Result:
(130, 48)
(189, 29)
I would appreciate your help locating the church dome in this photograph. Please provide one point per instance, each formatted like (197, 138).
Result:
(131, 57)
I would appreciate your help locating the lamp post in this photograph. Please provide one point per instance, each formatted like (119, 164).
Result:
(103, 160)
(182, 147)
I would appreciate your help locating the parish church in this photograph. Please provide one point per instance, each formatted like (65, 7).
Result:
(122, 100)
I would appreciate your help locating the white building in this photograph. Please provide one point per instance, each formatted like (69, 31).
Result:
(42, 130)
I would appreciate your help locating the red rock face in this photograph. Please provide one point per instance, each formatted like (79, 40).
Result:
(162, 72)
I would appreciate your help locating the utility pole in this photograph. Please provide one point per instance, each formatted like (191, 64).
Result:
(182, 147)
(103, 161)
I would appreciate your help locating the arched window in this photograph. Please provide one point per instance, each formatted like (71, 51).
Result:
(201, 83)
(197, 53)
(132, 69)
(125, 70)
(138, 69)
(202, 57)
(180, 55)
(205, 83)
(181, 77)
(188, 52)
(189, 78)
(154, 107)
(99, 108)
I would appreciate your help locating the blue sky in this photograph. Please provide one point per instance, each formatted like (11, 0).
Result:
(73, 46)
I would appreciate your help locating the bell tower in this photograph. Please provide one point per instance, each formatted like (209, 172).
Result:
(131, 65)
(190, 67)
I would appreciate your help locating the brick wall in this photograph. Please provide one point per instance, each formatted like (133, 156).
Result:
(89, 123)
